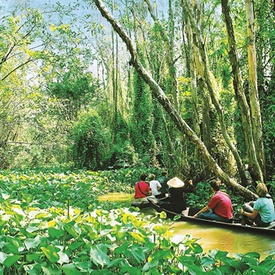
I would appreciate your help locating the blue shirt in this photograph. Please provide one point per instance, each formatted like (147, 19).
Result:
(265, 207)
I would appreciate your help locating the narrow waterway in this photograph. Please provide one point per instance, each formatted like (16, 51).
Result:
(226, 239)
(210, 238)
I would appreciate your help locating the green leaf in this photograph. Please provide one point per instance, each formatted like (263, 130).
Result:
(11, 260)
(207, 261)
(117, 263)
(99, 258)
(177, 217)
(138, 254)
(268, 265)
(55, 233)
(71, 230)
(34, 257)
(83, 266)
(70, 269)
(3, 257)
(160, 229)
(12, 245)
(138, 236)
(32, 243)
(131, 270)
(33, 269)
(163, 215)
(51, 253)
(75, 245)
(48, 270)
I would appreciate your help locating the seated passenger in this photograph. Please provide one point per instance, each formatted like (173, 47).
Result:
(155, 186)
(163, 179)
(219, 207)
(142, 189)
(176, 202)
(262, 210)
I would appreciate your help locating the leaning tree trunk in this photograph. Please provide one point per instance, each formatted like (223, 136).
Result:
(159, 94)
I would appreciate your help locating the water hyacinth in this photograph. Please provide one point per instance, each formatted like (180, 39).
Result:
(52, 223)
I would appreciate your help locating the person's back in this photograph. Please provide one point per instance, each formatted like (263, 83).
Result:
(176, 202)
(163, 181)
(155, 186)
(265, 206)
(177, 199)
(142, 188)
(261, 212)
(221, 205)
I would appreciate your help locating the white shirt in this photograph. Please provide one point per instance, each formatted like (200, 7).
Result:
(155, 185)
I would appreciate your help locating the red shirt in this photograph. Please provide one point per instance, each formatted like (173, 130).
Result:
(221, 204)
(141, 189)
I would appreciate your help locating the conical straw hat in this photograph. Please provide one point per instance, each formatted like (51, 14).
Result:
(175, 183)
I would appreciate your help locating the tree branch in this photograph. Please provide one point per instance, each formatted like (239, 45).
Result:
(16, 68)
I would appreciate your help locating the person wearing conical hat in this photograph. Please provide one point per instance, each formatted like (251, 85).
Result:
(176, 202)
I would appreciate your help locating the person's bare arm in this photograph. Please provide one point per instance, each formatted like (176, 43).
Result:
(204, 209)
(252, 215)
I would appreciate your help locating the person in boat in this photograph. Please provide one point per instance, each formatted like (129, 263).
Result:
(219, 207)
(261, 212)
(163, 179)
(155, 186)
(142, 189)
(176, 201)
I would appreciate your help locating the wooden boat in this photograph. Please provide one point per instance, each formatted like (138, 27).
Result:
(234, 224)
(141, 205)
(144, 204)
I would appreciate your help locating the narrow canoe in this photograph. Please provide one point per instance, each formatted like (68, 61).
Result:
(141, 205)
(235, 224)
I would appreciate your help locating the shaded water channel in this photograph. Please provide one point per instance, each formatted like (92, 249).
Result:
(210, 238)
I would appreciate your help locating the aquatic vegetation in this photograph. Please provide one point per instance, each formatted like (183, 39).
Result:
(53, 223)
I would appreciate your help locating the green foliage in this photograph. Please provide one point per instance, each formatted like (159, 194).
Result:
(142, 120)
(91, 142)
(75, 90)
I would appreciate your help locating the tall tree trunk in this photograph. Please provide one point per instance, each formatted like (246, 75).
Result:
(205, 74)
(114, 82)
(159, 94)
(253, 86)
(241, 99)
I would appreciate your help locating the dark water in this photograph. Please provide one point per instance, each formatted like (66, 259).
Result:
(211, 238)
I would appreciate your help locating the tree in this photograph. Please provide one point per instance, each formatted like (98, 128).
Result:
(241, 99)
(159, 94)
(90, 142)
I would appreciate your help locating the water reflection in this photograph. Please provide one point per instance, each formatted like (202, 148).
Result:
(226, 240)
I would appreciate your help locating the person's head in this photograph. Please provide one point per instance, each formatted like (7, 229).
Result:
(215, 184)
(152, 177)
(143, 177)
(164, 173)
(261, 189)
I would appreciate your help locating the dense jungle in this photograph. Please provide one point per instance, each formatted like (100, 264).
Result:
(93, 93)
